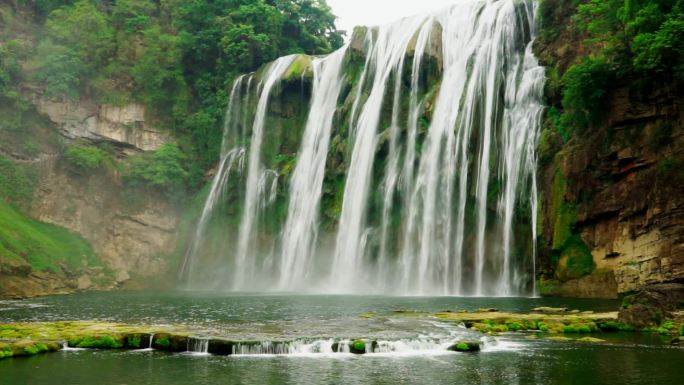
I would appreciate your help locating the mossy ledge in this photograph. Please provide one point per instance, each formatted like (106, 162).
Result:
(553, 321)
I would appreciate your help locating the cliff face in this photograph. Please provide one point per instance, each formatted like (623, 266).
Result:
(627, 182)
(131, 230)
(613, 195)
(123, 125)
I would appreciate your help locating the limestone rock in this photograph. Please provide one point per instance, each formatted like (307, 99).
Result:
(125, 125)
(84, 282)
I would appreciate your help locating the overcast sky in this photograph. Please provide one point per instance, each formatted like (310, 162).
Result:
(377, 12)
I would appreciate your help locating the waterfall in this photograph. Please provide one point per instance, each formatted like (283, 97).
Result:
(244, 263)
(299, 233)
(386, 55)
(413, 163)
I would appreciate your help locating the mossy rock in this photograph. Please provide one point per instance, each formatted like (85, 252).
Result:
(357, 347)
(301, 67)
(27, 348)
(465, 346)
(575, 261)
(515, 326)
(551, 310)
(137, 341)
(170, 342)
(591, 340)
(97, 342)
(361, 346)
(615, 326)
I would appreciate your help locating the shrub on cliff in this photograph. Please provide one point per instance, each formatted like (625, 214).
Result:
(164, 169)
(86, 157)
(585, 90)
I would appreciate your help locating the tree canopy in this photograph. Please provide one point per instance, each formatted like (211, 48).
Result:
(178, 57)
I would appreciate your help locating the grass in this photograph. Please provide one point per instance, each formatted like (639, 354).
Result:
(44, 246)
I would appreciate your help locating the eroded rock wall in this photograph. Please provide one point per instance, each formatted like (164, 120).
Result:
(132, 231)
(616, 188)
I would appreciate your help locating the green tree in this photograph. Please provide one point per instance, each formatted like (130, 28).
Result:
(163, 169)
(60, 69)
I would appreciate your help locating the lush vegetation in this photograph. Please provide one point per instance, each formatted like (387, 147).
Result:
(163, 169)
(618, 41)
(177, 57)
(17, 182)
(86, 157)
(45, 247)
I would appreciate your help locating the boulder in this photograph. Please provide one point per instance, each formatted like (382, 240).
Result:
(651, 305)
(465, 346)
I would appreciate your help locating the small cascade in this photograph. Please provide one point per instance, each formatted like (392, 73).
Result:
(407, 165)
(418, 346)
(198, 345)
(150, 345)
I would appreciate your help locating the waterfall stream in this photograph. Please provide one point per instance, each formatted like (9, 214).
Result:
(410, 168)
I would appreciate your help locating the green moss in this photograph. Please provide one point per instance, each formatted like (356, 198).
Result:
(500, 328)
(544, 327)
(548, 287)
(44, 246)
(514, 326)
(299, 68)
(5, 350)
(102, 342)
(133, 341)
(17, 182)
(614, 326)
(576, 260)
(163, 342)
(462, 347)
(36, 348)
(359, 345)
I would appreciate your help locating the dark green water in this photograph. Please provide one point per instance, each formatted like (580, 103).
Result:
(185, 307)
(513, 358)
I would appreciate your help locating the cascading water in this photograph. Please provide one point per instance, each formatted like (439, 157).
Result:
(411, 172)
(299, 234)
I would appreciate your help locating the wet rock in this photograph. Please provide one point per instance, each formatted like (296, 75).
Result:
(551, 310)
(487, 310)
(357, 347)
(465, 346)
(170, 342)
(137, 341)
(591, 340)
(679, 341)
(221, 347)
(652, 305)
